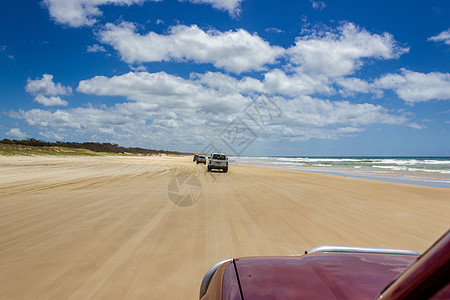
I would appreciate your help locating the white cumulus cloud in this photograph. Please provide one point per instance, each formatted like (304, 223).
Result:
(416, 87)
(163, 92)
(50, 101)
(142, 86)
(177, 112)
(232, 6)
(352, 85)
(16, 133)
(77, 13)
(442, 37)
(302, 118)
(46, 91)
(46, 86)
(236, 51)
(228, 84)
(278, 82)
(313, 112)
(340, 53)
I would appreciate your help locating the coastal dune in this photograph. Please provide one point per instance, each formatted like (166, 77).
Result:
(150, 227)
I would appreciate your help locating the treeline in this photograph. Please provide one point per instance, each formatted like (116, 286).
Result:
(93, 146)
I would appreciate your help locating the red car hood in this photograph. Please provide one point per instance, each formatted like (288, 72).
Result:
(313, 276)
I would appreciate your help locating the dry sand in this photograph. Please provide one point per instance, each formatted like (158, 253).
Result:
(104, 227)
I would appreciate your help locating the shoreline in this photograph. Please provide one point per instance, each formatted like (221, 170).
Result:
(377, 178)
(420, 178)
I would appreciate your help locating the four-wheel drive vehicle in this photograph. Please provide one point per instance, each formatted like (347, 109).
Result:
(195, 157)
(201, 159)
(331, 272)
(218, 161)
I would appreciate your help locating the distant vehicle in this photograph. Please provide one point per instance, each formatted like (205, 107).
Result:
(331, 272)
(218, 161)
(201, 159)
(195, 157)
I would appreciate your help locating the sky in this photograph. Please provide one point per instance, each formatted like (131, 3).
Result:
(244, 77)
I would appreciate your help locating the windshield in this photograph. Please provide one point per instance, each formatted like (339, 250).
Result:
(219, 156)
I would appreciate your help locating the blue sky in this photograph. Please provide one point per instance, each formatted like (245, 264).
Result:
(244, 77)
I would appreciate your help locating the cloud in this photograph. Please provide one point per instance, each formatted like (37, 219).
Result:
(316, 62)
(235, 51)
(50, 101)
(441, 37)
(350, 86)
(410, 86)
(44, 87)
(227, 84)
(306, 118)
(331, 53)
(341, 52)
(416, 87)
(130, 122)
(142, 86)
(50, 135)
(16, 133)
(3, 49)
(178, 113)
(78, 118)
(278, 82)
(78, 13)
(303, 118)
(319, 5)
(95, 48)
(232, 6)
(163, 92)
(313, 112)
(273, 30)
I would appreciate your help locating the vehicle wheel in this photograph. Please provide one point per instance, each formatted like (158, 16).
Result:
(225, 170)
(209, 169)
(197, 162)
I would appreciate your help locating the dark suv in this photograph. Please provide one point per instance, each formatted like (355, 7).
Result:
(201, 160)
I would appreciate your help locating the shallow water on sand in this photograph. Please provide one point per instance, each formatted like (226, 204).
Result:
(429, 171)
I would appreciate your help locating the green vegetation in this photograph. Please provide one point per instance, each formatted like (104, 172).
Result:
(37, 147)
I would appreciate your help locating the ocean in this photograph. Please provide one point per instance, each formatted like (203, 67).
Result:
(429, 171)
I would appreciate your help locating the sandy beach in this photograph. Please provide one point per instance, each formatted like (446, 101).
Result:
(127, 228)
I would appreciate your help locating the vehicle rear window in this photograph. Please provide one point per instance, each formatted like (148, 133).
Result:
(219, 156)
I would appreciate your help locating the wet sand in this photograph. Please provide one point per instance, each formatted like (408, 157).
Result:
(109, 228)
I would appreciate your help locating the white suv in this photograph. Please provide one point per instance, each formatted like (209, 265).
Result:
(218, 161)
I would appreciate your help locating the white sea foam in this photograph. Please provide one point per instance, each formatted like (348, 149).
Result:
(395, 168)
